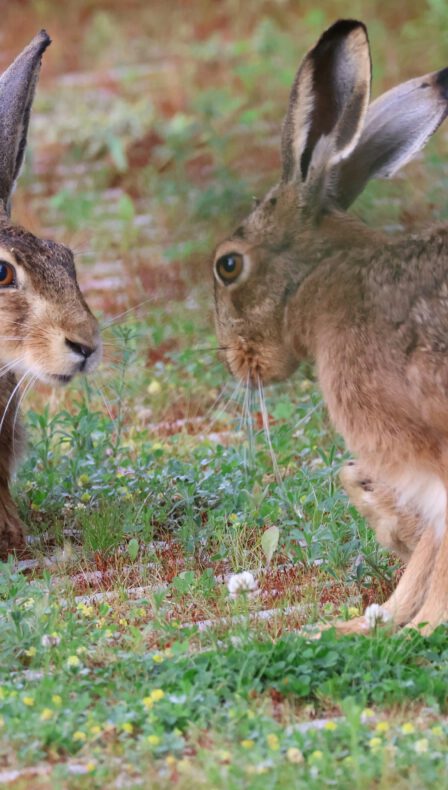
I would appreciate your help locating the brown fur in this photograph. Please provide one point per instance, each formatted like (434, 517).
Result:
(372, 313)
(47, 330)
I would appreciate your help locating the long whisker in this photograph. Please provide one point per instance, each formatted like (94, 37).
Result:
(267, 431)
(23, 394)
(11, 397)
(116, 318)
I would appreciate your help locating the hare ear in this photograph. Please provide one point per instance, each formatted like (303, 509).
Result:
(17, 86)
(398, 124)
(328, 104)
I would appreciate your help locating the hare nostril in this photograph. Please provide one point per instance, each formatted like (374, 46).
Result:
(79, 348)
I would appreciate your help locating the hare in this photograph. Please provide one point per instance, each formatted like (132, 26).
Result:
(301, 278)
(47, 330)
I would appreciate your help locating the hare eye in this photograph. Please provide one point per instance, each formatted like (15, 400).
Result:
(229, 267)
(7, 274)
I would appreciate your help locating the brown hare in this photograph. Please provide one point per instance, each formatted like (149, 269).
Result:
(300, 278)
(47, 330)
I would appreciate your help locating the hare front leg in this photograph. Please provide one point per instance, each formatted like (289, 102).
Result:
(434, 609)
(12, 536)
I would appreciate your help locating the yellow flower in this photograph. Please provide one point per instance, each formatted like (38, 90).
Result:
(56, 699)
(421, 746)
(79, 736)
(123, 622)
(29, 701)
(81, 650)
(46, 714)
(90, 766)
(382, 726)
(330, 726)
(353, 611)
(153, 740)
(247, 743)
(28, 604)
(273, 742)
(317, 755)
(95, 729)
(294, 755)
(157, 695)
(127, 727)
(375, 743)
(83, 480)
(73, 661)
(31, 651)
(407, 728)
(87, 611)
(368, 713)
(437, 730)
(224, 756)
(170, 760)
(154, 387)
(157, 658)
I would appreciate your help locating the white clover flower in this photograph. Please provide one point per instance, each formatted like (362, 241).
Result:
(50, 640)
(375, 614)
(241, 583)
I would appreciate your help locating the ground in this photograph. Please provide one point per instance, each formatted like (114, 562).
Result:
(125, 662)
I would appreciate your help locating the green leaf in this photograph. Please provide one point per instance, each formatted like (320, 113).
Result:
(269, 542)
(133, 549)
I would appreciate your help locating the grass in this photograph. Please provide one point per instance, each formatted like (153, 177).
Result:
(125, 661)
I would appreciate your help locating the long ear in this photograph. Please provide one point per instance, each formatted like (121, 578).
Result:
(327, 105)
(16, 96)
(398, 124)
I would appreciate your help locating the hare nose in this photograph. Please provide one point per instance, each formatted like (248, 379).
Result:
(79, 348)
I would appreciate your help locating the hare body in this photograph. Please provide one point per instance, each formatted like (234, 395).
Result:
(47, 330)
(300, 278)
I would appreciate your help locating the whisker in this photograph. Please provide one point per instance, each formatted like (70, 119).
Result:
(115, 318)
(22, 397)
(267, 431)
(10, 399)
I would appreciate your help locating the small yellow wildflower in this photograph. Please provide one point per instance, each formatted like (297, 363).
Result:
(353, 611)
(170, 760)
(79, 736)
(90, 767)
(46, 714)
(29, 701)
(382, 726)
(294, 755)
(367, 713)
(28, 603)
(157, 658)
(153, 740)
(56, 699)
(123, 622)
(73, 662)
(330, 726)
(375, 743)
(148, 703)
(157, 695)
(317, 755)
(247, 743)
(83, 480)
(273, 742)
(85, 497)
(87, 611)
(407, 728)
(154, 387)
(224, 756)
(95, 729)
(31, 652)
(437, 730)
(421, 746)
(127, 727)
(81, 650)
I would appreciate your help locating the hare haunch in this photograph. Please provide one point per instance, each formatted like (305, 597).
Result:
(300, 278)
(47, 330)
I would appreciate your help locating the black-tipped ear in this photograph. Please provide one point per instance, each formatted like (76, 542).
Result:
(328, 102)
(17, 86)
(398, 124)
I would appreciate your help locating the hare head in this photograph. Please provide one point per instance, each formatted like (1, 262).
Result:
(333, 142)
(46, 326)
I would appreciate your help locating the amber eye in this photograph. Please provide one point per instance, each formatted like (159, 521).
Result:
(7, 274)
(229, 267)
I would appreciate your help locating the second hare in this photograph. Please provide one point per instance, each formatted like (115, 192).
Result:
(301, 278)
(47, 330)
